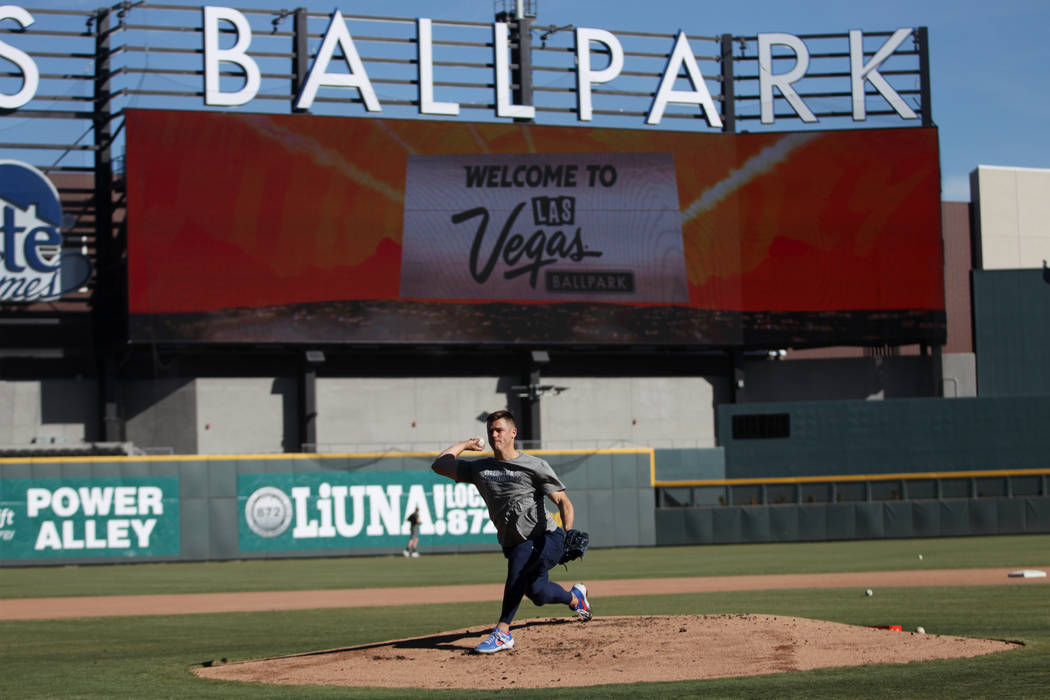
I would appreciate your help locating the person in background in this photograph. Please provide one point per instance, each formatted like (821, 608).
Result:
(412, 549)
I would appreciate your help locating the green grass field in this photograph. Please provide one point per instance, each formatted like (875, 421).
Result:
(151, 657)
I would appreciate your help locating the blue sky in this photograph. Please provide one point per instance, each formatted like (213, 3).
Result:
(990, 62)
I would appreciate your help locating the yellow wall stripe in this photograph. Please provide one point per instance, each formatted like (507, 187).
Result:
(854, 477)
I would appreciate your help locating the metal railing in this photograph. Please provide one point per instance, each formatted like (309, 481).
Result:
(96, 63)
(1005, 483)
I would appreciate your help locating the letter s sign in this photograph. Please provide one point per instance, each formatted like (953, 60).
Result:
(30, 73)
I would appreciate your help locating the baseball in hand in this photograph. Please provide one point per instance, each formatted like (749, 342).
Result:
(478, 444)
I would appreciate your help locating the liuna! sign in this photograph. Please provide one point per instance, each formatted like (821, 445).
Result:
(335, 510)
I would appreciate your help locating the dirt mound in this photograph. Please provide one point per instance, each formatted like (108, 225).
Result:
(562, 652)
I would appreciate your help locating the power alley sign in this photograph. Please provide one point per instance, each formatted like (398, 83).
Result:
(105, 517)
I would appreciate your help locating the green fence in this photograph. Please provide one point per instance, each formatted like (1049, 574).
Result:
(944, 504)
(70, 510)
(851, 521)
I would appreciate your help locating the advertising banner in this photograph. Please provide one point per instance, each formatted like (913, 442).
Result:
(104, 517)
(33, 264)
(336, 510)
(599, 227)
(249, 228)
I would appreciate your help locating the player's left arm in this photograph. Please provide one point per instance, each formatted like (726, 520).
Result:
(561, 499)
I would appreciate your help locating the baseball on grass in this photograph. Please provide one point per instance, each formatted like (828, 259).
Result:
(920, 630)
(920, 557)
(868, 592)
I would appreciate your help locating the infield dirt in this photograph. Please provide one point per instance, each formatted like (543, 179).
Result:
(561, 652)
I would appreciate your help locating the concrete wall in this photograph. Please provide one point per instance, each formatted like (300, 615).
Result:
(959, 374)
(161, 414)
(434, 412)
(251, 415)
(208, 415)
(246, 415)
(46, 411)
(1011, 211)
(836, 379)
(405, 411)
(652, 411)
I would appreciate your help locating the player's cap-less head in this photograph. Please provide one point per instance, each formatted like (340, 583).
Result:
(502, 430)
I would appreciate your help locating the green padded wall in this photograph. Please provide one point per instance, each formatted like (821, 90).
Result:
(852, 521)
(206, 502)
(891, 436)
(1012, 331)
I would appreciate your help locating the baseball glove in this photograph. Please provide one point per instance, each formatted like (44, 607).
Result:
(576, 543)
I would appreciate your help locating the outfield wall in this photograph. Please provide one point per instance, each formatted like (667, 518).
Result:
(840, 470)
(824, 438)
(1012, 310)
(105, 510)
(852, 521)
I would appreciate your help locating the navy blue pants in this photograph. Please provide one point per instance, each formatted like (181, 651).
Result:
(527, 567)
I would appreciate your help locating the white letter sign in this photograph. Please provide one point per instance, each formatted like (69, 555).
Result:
(860, 71)
(504, 108)
(213, 55)
(425, 46)
(584, 75)
(338, 35)
(30, 73)
(682, 55)
(767, 80)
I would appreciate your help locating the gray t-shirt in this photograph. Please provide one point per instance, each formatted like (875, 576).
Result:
(513, 490)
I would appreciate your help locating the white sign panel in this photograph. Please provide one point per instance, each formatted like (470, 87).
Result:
(543, 227)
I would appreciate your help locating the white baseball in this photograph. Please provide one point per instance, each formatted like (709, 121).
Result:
(920, 630)
(868, 592)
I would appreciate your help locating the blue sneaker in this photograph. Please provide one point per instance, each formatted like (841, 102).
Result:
(497, 641)
(583, 606)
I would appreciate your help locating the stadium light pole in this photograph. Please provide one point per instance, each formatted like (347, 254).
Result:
(106, 300)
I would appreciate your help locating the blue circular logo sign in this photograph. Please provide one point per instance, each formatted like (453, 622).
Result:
(34, 266)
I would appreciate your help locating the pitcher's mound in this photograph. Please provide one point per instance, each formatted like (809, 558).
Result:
(560, 652)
